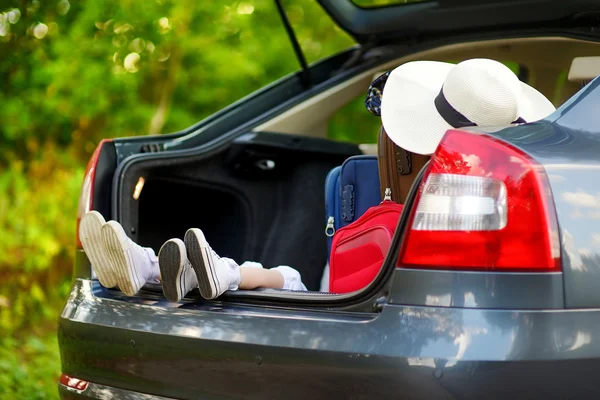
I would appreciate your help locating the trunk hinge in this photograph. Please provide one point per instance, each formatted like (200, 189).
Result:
(305, 73)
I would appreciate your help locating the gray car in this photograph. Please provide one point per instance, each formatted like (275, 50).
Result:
(433, 331)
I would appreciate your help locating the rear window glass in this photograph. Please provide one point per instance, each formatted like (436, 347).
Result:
(381, 3)
(353, 123)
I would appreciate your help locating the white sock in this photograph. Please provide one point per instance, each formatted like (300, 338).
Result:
(291, 278)
(234, 273)
(153, 270)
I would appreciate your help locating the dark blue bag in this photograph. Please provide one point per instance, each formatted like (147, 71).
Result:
(350, 190)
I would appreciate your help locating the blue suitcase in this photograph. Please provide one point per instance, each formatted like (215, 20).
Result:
(350, 190)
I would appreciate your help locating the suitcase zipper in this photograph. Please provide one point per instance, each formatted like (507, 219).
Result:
(387, 195)
(329, 228)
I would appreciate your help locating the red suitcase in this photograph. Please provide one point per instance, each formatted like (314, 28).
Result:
(358, 249)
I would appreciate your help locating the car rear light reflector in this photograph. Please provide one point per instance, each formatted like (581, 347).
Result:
(464, 203)
(73, 383)
(483, 205)
(87, 188)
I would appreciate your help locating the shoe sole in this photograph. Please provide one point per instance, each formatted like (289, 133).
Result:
(120, 258)
(171, 263)
(90, 229)
(198, 255)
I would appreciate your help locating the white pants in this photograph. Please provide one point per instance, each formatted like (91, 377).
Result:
(291, 277)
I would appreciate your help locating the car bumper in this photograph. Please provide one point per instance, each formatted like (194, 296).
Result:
(214, 350)
(98, 391)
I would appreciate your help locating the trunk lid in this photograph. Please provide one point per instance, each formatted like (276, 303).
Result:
(387, 21)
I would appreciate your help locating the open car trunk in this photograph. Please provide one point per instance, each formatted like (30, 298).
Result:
(259, 197)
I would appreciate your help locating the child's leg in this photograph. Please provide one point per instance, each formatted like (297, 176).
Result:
(215, 274)
(291, 278)
(253, 278)
(218, 274)
(178, 277)
(89, 233)
(282, 277)
(132, 264)
(115, 258)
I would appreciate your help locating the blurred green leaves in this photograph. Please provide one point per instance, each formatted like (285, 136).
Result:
(77, 71)
(28, 367)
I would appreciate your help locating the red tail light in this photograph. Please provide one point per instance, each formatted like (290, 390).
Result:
(87, 188)
(482, 205)
(73, 383)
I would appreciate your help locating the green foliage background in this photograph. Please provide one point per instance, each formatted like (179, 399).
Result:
(74, 72)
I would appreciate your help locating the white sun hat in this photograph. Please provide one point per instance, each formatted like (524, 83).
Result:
(423, 99)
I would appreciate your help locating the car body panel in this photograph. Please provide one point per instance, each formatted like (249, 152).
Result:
(567, 145)
(98, 391)
(223, 350)
(465, 289)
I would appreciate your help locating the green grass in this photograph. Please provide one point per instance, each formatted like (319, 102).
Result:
(29, 367)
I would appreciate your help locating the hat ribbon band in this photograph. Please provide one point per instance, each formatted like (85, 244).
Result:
(453, 117)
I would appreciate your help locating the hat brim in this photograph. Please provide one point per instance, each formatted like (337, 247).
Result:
(408, 112)
(534, 105)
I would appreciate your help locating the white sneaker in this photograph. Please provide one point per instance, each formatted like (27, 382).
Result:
(178, 277)
(89, 233)
(215, 275)
(130, 262)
